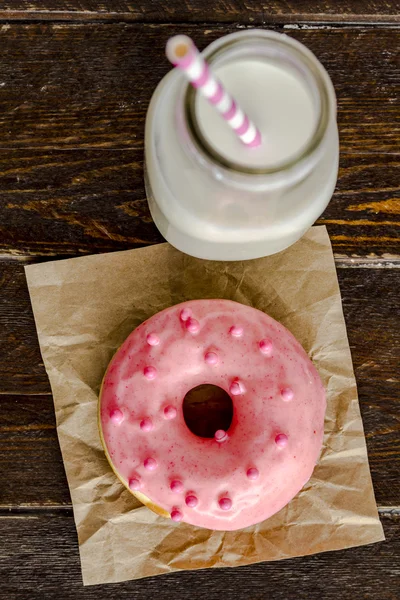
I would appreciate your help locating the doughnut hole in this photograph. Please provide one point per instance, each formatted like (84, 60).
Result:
(206, 409)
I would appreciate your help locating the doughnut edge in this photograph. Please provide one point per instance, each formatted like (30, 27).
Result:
(138, 495)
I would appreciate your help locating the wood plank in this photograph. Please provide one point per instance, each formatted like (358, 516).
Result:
(18, 339)
(363, 215)
(40, 560)
(200, 11)
(75, 202)
(27, 429)
(31, 467)
(85, 86)
(32, 471)
(370, 303)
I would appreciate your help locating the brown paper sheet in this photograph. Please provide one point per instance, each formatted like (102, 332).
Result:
(84, 309)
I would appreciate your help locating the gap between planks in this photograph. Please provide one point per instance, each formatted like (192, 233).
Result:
(386, 261)
(290, 21)
(35, 512)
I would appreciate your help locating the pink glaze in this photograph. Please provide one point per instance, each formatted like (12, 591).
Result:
(187, 464)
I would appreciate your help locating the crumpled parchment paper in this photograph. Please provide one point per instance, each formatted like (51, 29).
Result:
(84, 309)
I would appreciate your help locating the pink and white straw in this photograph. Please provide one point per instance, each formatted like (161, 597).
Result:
(182, 53)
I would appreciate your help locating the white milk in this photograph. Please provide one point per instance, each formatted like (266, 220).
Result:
(212, 197)
(273, 98)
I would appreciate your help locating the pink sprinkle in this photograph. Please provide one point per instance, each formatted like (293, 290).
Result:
(192, 325)
(266, 347)
(236, 331)
(150, 372)
(237, 388)
(170, 412)
(117, 416)
(191, 500)
(220, 436)
(211, 358)
(146, 424)
(281, 440)
(153, 339)
(176, 515)
(287, 394)
(150, 464)
(176, 486)
(253, 473)
(186, 313)
(135, 484)
(225, 503)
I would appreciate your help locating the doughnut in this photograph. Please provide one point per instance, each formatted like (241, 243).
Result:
(242, 475)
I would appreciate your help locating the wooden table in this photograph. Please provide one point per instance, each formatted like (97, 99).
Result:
(75, 80)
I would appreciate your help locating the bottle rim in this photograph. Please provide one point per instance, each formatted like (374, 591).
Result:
(287, 50)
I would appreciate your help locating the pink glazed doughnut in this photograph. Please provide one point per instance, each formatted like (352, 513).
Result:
(241, 476)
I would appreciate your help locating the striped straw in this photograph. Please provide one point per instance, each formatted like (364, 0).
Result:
(182, 53)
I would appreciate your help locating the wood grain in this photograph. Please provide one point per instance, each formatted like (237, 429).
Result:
(40, 560)
(32, 472)
(192, 11)
(66, 203)
(31, 468)
(18, 339)
(85, 86)
(73, 99)
(370, 304)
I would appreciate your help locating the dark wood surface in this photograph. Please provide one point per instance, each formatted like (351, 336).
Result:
(75, 80)
(44, 549)
(83, 201)
(88, 85)
(370, 303)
